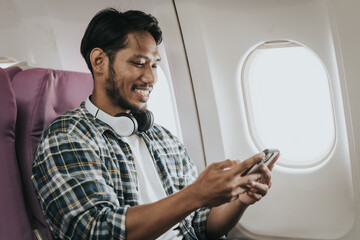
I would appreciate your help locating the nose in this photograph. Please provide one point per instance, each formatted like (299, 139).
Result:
(149, 75)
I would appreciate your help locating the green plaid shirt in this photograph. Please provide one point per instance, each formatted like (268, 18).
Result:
(85, 177)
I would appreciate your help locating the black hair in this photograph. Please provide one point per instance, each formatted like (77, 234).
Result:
(109, 28)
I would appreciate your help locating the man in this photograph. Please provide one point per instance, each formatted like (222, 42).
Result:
(92, 179)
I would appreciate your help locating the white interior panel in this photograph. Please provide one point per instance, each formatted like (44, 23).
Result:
(314, 203)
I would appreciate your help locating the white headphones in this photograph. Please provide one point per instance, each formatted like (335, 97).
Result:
(124, 124)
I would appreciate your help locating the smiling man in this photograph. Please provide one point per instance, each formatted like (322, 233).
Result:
(105, 171)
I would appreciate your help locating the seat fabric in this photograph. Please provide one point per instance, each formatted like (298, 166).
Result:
(14, 223)
(41, 96)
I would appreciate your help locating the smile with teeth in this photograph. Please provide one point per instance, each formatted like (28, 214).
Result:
(142, 92)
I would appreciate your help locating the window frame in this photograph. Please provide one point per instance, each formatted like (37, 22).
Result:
(249, 115)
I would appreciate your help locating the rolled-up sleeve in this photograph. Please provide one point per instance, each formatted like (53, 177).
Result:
(75, 190)
(199, 222)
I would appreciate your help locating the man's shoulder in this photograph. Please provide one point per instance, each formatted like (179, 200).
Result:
(70, 121)
(159, 133)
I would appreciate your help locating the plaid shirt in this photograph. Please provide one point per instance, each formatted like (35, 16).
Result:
(85, 177)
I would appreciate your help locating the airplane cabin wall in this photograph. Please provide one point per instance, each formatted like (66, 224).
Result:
(27, 34)
(313, 203)
(346, 23)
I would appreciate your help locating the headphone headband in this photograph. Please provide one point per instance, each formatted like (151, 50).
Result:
(124, 124)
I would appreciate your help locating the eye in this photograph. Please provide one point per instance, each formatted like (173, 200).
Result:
(138, 64)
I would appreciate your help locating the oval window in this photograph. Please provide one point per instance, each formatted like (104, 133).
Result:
(288, 103)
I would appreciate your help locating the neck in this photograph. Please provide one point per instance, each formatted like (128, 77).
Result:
(103, 102)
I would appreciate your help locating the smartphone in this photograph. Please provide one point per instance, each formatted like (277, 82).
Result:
(270, 156)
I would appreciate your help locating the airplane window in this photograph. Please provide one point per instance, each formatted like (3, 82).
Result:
(288, 103)
(163, 106)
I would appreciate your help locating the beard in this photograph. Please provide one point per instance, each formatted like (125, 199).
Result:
(114, 92)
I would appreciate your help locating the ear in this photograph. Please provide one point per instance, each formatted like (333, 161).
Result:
(99, 61)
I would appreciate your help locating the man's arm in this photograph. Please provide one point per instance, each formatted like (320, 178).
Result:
(151, 220)
(224, 217)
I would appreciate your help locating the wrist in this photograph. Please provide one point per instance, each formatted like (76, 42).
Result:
(193, 195)
(243, 205)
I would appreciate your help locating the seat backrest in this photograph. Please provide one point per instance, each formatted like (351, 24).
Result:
(41, 96)
(14, 223)
(12, 71)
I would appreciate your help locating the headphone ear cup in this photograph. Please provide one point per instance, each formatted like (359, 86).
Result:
(145, 120)
(125, 124)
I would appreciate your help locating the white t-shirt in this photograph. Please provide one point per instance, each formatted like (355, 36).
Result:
(149, 183)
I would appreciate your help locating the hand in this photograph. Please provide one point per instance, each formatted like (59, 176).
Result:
(259, 188)
(222, 182)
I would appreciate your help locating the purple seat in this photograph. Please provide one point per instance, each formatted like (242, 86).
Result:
(11, 71)
(41, 96)
(14, 223)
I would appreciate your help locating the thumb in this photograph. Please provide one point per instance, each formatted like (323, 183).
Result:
(225, 164)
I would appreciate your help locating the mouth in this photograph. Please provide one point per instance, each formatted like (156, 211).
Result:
(143, 91)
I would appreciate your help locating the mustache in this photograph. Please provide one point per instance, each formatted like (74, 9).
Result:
(142, 86)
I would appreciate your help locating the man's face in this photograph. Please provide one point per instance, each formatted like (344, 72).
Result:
(133, 72)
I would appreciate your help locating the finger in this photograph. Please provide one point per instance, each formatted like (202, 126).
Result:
(259, 188)
(248, 163)
(238, 161)
(236, 193)
(234, 198)
(224, 164)
(266, 174)
(248, 180)
(255, 196)
(271, 165)
(240, 190)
